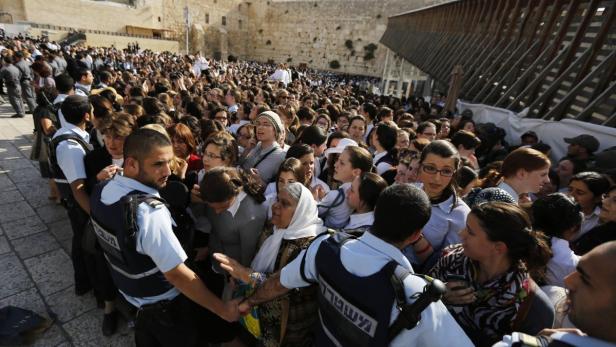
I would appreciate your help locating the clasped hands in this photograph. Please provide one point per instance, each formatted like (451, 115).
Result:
(238, 272)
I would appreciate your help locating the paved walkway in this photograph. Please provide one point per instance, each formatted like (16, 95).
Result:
(35, 239)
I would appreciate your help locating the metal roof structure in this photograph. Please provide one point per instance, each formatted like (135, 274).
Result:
(556, 57)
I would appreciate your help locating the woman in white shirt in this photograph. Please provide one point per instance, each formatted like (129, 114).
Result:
(587, 188)
(558, 216)
(438, 164)
(365, 191)
(384, 137)
(305, 154)
(524, 170)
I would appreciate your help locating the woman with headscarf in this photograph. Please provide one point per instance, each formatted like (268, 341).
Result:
(288, 320)
(266, 157)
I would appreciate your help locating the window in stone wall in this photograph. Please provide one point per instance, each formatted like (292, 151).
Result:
(224, 20)
(239, 23)
(207, 18)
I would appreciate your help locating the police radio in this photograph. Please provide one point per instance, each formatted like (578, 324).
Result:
(410, 314)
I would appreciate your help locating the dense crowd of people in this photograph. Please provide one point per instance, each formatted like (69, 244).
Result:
(242, 204)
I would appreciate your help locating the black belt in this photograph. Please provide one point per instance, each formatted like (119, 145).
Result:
(158, 306)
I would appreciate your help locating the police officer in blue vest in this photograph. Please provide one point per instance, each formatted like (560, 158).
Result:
(67, 150)
(368, 294)
(134, 229)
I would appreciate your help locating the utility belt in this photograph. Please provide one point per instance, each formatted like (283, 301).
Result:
(166, 312)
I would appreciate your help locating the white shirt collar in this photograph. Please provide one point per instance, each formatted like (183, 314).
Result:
(595, 213)
(387, 249)
(60, 98)
(378, 156)
(77, 130)
(360, 220)
(446, 205)
(83, 86)
(236, 203)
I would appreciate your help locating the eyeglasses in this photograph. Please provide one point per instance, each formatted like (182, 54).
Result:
(211, 156)
(432, 170)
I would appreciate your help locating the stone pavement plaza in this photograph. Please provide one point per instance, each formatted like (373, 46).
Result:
(35, 243)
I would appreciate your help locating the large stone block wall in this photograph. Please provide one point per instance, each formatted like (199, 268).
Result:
(318, 32)
(87, 14)
(13, 7)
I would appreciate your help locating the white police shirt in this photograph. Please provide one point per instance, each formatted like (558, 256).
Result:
(358, 220)
(70, 154)
(155, 238)
(58, 100)
(365, 257)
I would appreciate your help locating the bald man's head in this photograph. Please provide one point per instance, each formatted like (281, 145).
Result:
(592, 292)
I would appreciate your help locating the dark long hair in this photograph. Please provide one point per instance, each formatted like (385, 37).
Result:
(508, 223)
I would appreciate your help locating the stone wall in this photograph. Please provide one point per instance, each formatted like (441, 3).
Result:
(96, 15)
(339, 35)
(325, 33)
(15, 9)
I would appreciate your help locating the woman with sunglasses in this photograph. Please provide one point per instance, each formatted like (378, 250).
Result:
(438, 164)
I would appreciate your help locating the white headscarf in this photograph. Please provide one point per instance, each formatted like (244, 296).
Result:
(305, 223)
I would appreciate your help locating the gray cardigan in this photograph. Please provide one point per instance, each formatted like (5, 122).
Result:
(267, 167)
(236, 236)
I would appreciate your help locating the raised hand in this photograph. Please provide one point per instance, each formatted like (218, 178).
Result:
(235, 269)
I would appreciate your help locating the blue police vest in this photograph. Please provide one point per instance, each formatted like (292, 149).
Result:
(354, 311)
(56, 171)
(133, 273)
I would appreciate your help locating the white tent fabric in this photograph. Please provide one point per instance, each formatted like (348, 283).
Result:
(550, 132)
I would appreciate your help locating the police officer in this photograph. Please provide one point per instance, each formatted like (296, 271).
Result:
(592, 305)
(68, 148)
(362, 283)
(26, 80)
(11, 76)
(134, 229)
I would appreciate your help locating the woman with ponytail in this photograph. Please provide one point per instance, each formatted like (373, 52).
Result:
(524, 170)
(384, 137)
(490, 291)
